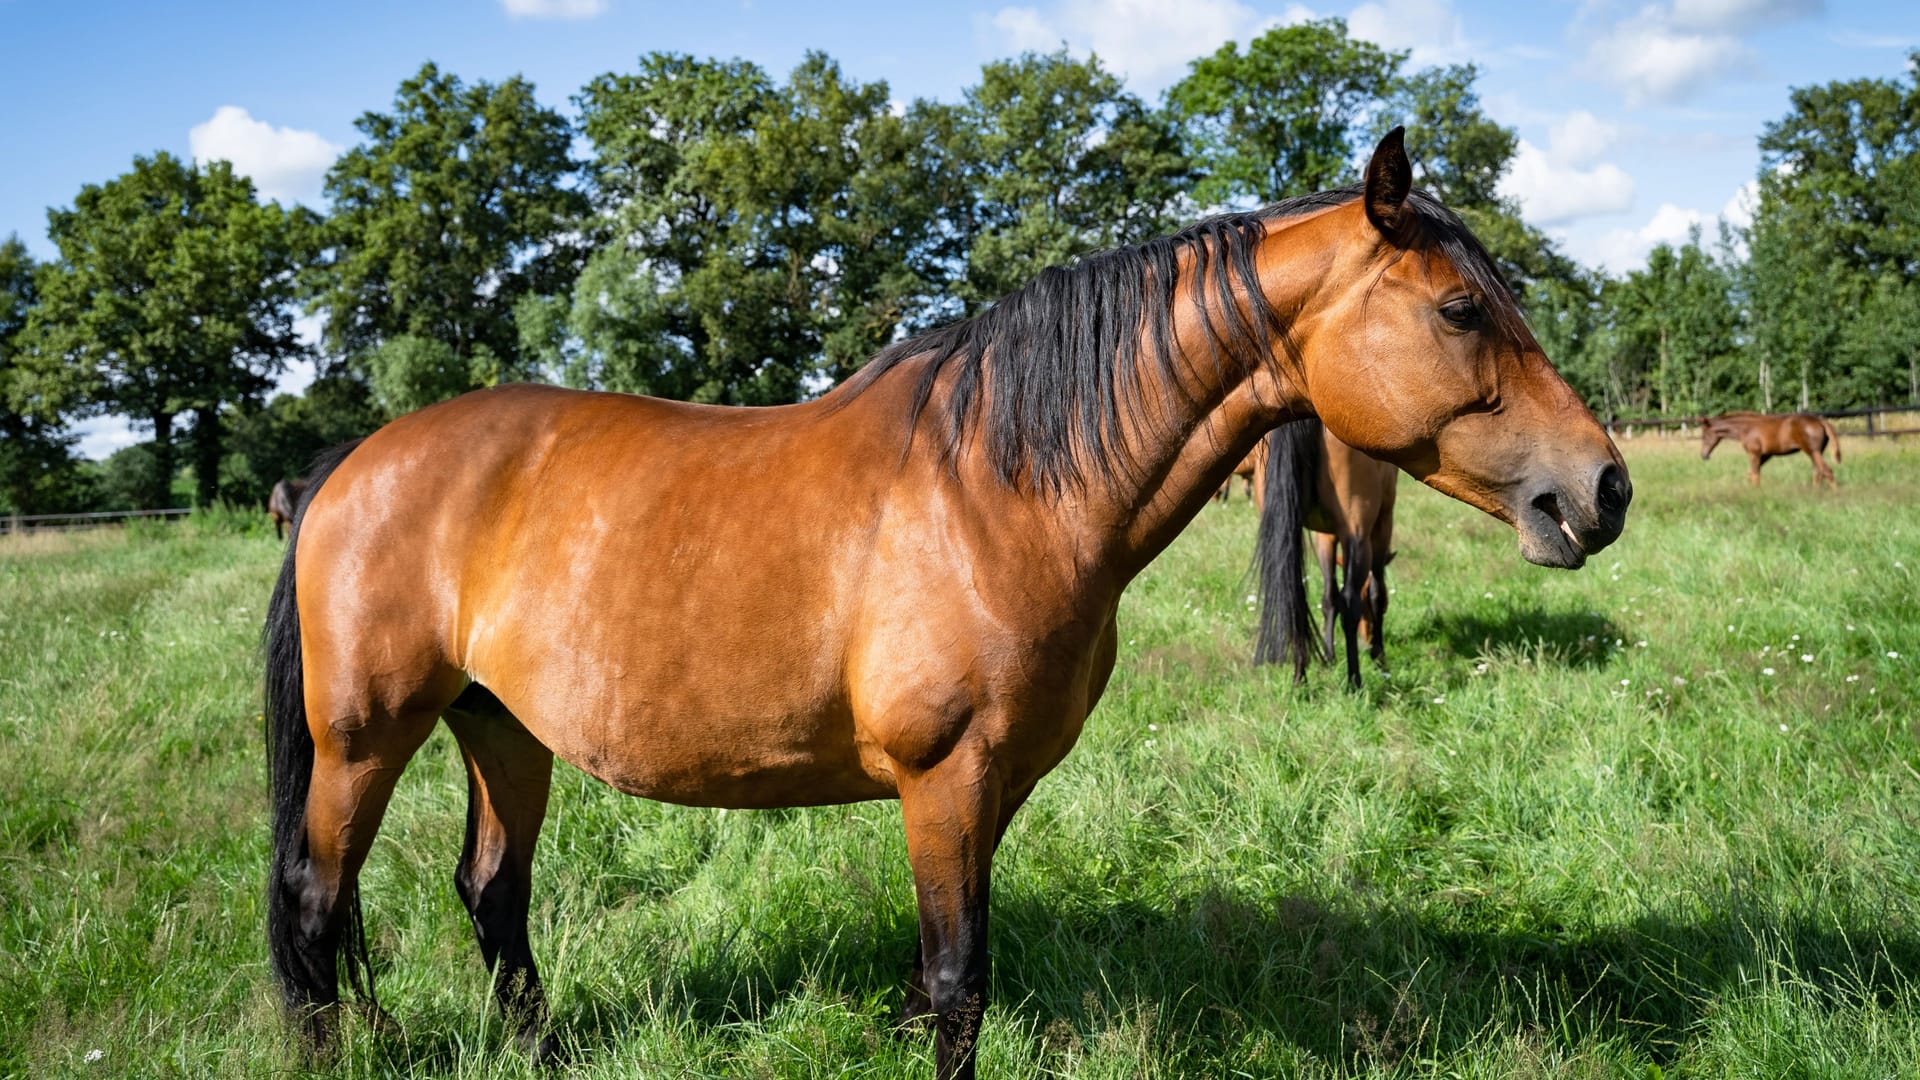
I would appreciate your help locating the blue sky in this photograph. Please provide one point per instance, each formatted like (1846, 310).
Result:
(1637, 118)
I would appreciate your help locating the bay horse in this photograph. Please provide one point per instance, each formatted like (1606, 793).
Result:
(1771, 435)
(918, 604)
(1309, 479)
(281, 502)
(1243, 471)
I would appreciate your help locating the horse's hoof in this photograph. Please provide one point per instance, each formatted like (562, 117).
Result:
(380, 1021)
(545, 1050)
(915, 1020)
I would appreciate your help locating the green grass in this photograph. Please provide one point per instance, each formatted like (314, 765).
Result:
(1578, 832)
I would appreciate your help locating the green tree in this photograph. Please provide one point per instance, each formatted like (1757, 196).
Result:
(459, 203)
(278, 441)
(1057, 160)
(35, 458)
(1836, 235)
(760, 239)
(172, 296)
(1280, 118)
(1678, 328)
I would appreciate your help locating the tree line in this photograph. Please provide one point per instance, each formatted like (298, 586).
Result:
(732, 238)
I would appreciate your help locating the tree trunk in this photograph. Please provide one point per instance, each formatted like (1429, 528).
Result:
(160, 484)
(206, 455)
(1663, 370)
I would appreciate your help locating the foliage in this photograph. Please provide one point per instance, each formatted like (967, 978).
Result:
(1056, 160)
(1837, 235)
(280, 440)
(456, 206)
(36, 464)
(171, 295)
(1281, 117)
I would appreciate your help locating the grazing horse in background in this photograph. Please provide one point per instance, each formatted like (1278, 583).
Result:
(1244, 471)
(917, 602)
(1308, 478)
(281, 502)
(1770, 435)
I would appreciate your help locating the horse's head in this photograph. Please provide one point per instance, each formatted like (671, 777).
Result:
(1709, 437)
(1416, 353)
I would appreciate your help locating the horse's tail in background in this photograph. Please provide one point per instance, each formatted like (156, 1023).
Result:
(290, 768)
(1293, 459)
(1833, 437)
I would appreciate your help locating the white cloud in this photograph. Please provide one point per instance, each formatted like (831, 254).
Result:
(1621, 250)
(1563, 182)
(1667, 52)
(100, 436)
(1741, 15)
(1430, 28)
(1580, 138)
(1148, 41)
(554, 9)
(1653, 61)
(284, 163)
(1739, 209)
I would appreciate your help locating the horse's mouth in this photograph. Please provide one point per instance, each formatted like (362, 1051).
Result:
(1547, 538)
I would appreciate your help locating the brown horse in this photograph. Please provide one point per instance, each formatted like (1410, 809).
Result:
(281, 502)
(1308, 478)
(918, 604)
(1246, 470)
(1769, 435)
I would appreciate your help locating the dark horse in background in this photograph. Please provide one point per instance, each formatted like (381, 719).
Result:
(1769, 435)
(1307, 478)
(281, 502)
(918, 603)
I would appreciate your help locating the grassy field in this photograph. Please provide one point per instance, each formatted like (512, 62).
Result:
(1656, 818)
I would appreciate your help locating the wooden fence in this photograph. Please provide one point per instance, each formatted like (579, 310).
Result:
(1889, 421)
(13, 524)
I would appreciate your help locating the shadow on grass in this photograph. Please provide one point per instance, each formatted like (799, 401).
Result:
(1215, 977)
(1569, 638)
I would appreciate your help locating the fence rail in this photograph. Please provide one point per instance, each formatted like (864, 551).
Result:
(26, 523)
(1889, 420)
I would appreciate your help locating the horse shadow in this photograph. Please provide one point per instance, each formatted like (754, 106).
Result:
(1213, 972)
(1564, 637)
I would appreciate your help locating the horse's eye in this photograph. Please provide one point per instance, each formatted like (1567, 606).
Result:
(1462, 312)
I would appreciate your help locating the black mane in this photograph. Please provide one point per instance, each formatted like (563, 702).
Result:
(1062, 352)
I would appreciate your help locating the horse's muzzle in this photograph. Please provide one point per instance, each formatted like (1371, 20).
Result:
(1560, 528)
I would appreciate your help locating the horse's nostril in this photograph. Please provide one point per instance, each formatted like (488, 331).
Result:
(1616, 491)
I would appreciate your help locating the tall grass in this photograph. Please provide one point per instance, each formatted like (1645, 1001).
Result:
(1655, 818)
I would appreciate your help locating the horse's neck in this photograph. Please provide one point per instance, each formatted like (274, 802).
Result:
(1214, 414)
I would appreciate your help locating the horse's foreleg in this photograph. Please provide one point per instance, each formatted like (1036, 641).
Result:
(508, 776)
(919, 1005)
(1754, 461)
(358, 756)
(952, 814)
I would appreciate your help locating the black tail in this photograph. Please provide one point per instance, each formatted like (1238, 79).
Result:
(1293, 458)
(290, 770)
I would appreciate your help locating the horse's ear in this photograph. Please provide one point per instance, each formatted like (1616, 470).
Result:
(1389, 180)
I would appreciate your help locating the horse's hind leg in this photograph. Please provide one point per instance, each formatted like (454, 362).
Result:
(509, 773)
(1359, 569)
(359, 753)
(1754, 461)
(1329, 589)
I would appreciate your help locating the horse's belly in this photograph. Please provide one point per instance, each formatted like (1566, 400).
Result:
(715, 759)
